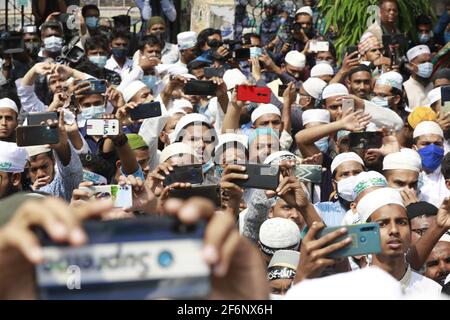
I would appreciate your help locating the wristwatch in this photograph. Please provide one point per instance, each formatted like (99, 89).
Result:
(120, 140)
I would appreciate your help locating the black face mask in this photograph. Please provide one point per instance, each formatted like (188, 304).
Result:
(214, 44)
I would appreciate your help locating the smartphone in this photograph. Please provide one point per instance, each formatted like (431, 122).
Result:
(348, 104)
(260, 176)
(211, 192)
(253, 94)
(145, 111)
(102, 127)
(13, 44)
(281, 89)
(365, 240)
(309, 173)
(445, 99)
(95, 178)
(36, 135)
(214, 72)
(97, 87)
(149, 257)
(36, 118)
(241, 54)
(121, 196)
(75, 54)
(351, 49)
(319, 46)
(192, 174)
(365, 140)
(200, 88)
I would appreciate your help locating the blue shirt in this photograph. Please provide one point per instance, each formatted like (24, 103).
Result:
(331, 213)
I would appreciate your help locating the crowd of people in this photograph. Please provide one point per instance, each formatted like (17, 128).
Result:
(259, 243)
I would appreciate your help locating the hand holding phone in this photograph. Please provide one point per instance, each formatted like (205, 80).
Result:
(145, 111)
(253, 94)
(36, 135)
(260, 176)
(200, 88)
(192, 174)
(121, 196)
(102, 127)
(348, 106)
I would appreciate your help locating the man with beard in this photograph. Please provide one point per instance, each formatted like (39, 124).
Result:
(8, 119)
(438, 262)
(12, 164)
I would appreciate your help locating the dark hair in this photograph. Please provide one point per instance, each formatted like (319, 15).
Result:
(194, 65)
(95, 42)
(247, 37)
(99, 165)
(120, 34)
(423, 20)
(381, 2)
(443, 73)
(445, 166)
(149, 40)
(202, 37)
(87, 7)
(52, 25)
(360, 68)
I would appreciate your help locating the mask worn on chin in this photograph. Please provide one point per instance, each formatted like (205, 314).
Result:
(53, 44)
(425, 70)
(379, 101)
(119, 52)
(322, 144)
(33, 48)
(432, 156)
(92, 22)
(99, 61)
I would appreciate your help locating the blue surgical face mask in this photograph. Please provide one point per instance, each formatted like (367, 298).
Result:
(92, 112)
(425, 70)
(99, 61)
(432, 156)
(380, 101)
(92, 22)
(255, 52)
(424, 37)
(322, 144)
(119, 52)
(282, 20)
(150, 81)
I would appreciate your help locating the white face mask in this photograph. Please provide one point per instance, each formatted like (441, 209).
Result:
(276, 296)
(53, 44)
(345, 188)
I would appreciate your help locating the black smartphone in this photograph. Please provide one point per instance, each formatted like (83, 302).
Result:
(97, 87)
(13, 44)
(145, 111)
(351, 49)
(200, 88)
(36, 118)
(149, 257)
(214, 72)
(75, 54)
(365, 140)
(211, 192)
(260, 176)
(192, 174)
(241, 54)
(445, 99)
(36, 135)
(281, 89)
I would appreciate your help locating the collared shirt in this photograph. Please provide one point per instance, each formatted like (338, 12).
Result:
(416, 285)
(332, 213)
(112, 65)
(432, 187)
(416, 93)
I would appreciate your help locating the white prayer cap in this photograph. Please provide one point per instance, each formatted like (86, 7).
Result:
(377, 199)
(391, 78)
(176, 148)
(417, 51)
(322, 69)
(344, 157)
(35, 150)
(315, 115)
(191, 119)
(279, 156)
(179, 104)
(171, 69)
(434, 95)
(173, 112)
(228, 138)
(279, 233)
(12, 157)
(366, 180)
(133, 88)
(9, 104)
(314, 87)
(187, 40)
(265, 109)
(233, 77)
(305, 9)
(427, 127)
(406, 159)
(295, 59)
(334, 90)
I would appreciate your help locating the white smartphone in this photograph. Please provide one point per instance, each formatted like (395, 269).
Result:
(102, 127)
(319, 46)
(348, 104)
(121, 195)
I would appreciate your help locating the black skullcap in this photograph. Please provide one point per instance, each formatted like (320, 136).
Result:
(420, 208)
(443, 73)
